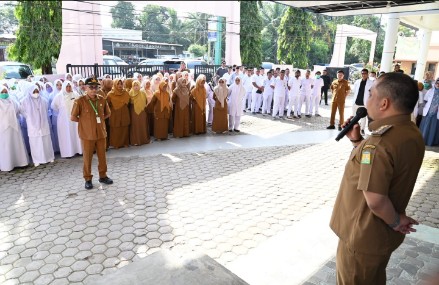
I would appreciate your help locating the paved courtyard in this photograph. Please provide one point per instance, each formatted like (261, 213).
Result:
(227, 202)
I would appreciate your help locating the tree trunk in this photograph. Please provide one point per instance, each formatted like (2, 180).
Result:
(46, 68)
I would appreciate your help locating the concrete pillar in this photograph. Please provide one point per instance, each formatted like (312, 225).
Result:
(390, 42)
(82, 35)
(233, 22)
(339, 52)
(424, 37)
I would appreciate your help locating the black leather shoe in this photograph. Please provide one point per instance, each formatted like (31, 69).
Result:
(236, 130)
(88, 185)
(339, 127)
(331, 127)
(106, 180)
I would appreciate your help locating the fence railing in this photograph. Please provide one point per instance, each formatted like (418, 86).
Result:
(128, 70)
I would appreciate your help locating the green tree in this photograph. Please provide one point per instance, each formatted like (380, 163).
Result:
(8, 21)
(123, 15)
(197, 24)
(155, 22)
(319, 52)
(197, 50)
(271, 15)
(294, 39)
(39, 33)
(359, 49)
(250, 33)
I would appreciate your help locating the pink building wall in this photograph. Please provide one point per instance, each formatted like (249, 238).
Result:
(82, 34)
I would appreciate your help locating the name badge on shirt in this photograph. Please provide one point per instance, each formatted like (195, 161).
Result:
(98, 120)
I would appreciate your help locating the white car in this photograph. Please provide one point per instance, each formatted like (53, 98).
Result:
(14, 70)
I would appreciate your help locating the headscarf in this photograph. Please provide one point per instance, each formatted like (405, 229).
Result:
(36, 104)
(148, 92)
(221, 92)
(118, 97)
(238, 89)
(182, 92)
(138, 98)
(155, 83)
(55, 83)
(159, 74)
(9, 116)
(107, 84)
(128, 84)
(80, 91)
(163, 96)
(68, 96)
(66, 75)
(199, 92)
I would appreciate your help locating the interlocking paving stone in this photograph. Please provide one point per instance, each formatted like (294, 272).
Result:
(225, 201)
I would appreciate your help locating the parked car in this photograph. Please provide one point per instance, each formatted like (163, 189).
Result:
(14, 70)
(114, 62)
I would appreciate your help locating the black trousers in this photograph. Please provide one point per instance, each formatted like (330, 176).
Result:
(324, 92)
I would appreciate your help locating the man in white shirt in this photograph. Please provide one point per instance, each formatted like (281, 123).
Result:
(305, 93)
(373, 75)
(287, 79)
(280, 86)
(267, 96)
(315, 95)
(294, 94)
(248, 86)
(233, 76)
(226, 76)
(361, 95)
(258, 89)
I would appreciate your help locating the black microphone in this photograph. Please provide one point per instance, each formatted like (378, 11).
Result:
(361, 113)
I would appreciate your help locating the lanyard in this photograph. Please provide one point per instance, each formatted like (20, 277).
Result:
(94, 108)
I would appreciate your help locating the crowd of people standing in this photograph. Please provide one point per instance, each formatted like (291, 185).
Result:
(38, 113)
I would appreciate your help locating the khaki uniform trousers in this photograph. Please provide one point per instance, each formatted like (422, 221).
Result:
(334, 106)
(355, 268)
(88, 148)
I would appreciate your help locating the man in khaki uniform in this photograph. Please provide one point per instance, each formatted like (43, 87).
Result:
(340, 89)
(369, 213)
(90, 111)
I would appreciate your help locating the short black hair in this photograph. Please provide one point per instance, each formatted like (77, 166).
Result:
(373, 72)
(269, 72)
(318, 72)
(400, 88)
(340, 71)
(282, 71)
(365, 70)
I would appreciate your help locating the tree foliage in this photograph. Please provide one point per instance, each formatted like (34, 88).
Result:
(271, 15)
(250, 33)
(123, 15)
(39, 33)
(197, 50)
(8, 21)
(294, 40)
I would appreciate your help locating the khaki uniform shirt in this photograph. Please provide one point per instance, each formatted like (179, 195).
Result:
(386, 163)
(339, 89)
(89, 128)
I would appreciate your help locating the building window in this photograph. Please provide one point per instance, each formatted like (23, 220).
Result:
(432, 67)
(413, 68)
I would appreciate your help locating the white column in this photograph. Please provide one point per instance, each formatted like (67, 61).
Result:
(82, 35)
(338, 55)
(424, 37)
(390, 42)
(233, 22)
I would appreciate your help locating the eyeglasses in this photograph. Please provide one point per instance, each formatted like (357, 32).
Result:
(92, 87)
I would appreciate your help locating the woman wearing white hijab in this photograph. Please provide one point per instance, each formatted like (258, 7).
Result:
(236, 104)
(12, 149)
(50, 95)
(68, 138)
(34, 109)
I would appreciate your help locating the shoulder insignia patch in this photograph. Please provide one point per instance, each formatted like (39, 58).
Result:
(381, 130)
(371, 146)
(366, 156)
